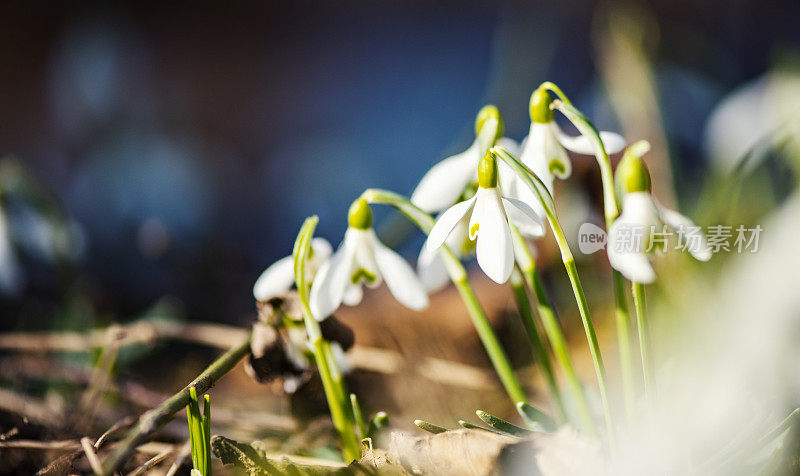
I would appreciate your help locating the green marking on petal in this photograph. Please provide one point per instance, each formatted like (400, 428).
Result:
(362, 274)
(557, 167)
(474, 229)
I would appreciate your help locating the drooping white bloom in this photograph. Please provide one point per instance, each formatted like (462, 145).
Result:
(430, 265)
(278, 278)
(489, 215)
(363, 259)
(631, 234)
(444, 183)
(544, 151)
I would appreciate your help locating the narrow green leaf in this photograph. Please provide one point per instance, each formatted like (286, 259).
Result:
(207, 433)
(378, 422)
(430, 427)
(499, 424)
(358, 416)
(470, 426)
(535, 417)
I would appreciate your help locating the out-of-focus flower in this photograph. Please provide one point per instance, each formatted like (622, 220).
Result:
(444, 183)
(363, 259)
(278, 278)
(630, 235)
(489, 216)
(763, 113)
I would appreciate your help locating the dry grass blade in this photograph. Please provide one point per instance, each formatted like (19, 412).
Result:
(91, 456)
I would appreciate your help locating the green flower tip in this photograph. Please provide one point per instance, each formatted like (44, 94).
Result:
(487, 171)
(540, 106)
(488, 112)
(360, 215)
(632, 174)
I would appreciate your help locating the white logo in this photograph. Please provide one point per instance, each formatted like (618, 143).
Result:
(591, 238)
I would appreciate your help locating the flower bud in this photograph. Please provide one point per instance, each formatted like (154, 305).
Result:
(360, 215)
(539, 107)
(487, 112)
(487, 171)
(632, 174)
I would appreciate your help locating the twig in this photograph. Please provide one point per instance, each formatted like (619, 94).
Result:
(91, 456)
(151, 462)
(184, 453)
(28, 407)
(139, 332)
(154, 419)
(124, 423)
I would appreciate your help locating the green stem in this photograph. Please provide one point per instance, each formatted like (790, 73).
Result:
(552, 328)
(536, 185)
(623, 322)
(644, 339)
(330, 374)
(611, 210)
(539, 350)
(150, 422)
(458, 275)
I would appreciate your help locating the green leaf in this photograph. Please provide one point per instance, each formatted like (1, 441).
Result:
(499, 424)
(535, 417)
(470, 426)
(430, 427)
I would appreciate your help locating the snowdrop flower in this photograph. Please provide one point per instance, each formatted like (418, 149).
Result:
(278, 279)
(444, 183)
(489, 216)
(430, 265)
(363, 259)
(544, 151)
(631, 234)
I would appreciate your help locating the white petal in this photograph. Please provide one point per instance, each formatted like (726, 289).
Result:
(432, 270)
(441, 186)
(520, 214)
(276, 280)
(332, 279)
(679, 222)
(400, 277)
(495, 249)
(581, 144)
(353, 294)
(633, 264)
(322, 249)
(362, 242)
(545, 156)
(446, 222)
(510, 145)
(639, 209)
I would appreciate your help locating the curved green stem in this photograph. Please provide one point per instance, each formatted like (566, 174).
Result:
(611, 210)
(552, 328)
(538, 347)
(536, 185)
(458, 275)
(644, 339)
(330, 374)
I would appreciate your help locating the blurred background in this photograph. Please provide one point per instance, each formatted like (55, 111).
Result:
(161, 155)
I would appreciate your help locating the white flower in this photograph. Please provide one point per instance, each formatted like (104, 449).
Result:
(363, 259)
(629, 237)
(544, 151)
(489, 215)
(278, 279)
(444, 183)
(430, 264)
